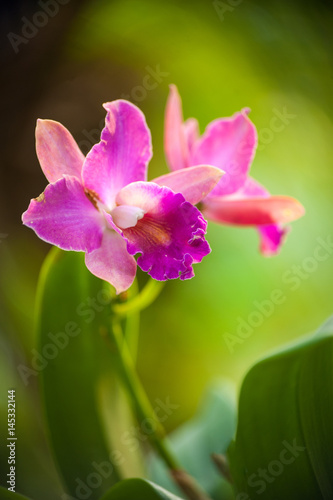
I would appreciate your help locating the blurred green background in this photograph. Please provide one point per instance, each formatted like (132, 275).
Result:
(270, 56)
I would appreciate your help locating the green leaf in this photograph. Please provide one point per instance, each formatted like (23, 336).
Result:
(326, 328)
(74, 366)
(138, 489)
(284, 437)
(210, 431)
(9, 495)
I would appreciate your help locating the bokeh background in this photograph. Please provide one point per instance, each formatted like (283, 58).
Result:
(274, 57)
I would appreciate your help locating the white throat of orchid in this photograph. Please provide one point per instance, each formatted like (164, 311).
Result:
(125, 216)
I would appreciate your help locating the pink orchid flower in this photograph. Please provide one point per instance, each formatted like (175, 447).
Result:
(103, 205)
(229, 144)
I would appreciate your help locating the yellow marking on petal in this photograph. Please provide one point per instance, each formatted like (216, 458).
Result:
(92, 196)
(154, 232)
(40, 198)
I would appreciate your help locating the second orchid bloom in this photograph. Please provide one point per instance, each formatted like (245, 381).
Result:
(229, 144)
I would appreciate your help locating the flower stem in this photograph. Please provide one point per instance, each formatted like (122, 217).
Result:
(146, 297)
(138, 396)
(145, 412)
(132, 325)
(222, 465)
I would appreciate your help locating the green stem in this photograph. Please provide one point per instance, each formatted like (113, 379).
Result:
(145, 412)
(138, 396)
(146, 297)
(132, 325)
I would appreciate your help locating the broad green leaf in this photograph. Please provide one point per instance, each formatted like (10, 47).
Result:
(138, 489)
(284, 441)
(74, 362)
(210, 431)
(9, 495)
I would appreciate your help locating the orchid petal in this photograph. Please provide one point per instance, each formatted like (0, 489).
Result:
(251, 189)
(175, 138)
(57, 151)
(64, 216)
(253, 205)
(194, 183)
(122, 155)
(191, 132)
(170, 236)
(252, 211)
(271, 238)
(229, 144)
(111, 262)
